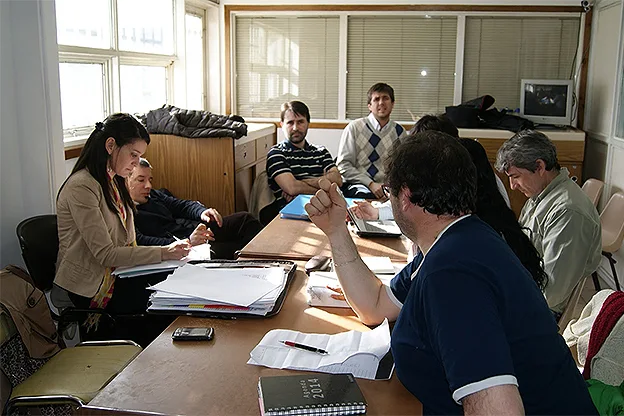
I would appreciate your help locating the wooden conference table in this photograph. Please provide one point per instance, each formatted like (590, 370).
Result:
(212, 378)
(301, 240)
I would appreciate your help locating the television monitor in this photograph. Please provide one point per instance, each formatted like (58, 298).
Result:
(546, 101)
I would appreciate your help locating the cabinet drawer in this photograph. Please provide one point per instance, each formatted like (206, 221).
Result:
(263, 144)
(244, 154)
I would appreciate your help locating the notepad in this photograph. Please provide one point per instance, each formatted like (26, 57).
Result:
(310, 394)
(295, 210)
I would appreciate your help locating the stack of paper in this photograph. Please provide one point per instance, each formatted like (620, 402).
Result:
(197, 288)
(353, 352)
(197, 253)
(319, 283)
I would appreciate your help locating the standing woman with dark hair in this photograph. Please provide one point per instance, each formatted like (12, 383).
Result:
(96, 223)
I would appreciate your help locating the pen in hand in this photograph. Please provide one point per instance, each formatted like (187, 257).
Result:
(304, 347)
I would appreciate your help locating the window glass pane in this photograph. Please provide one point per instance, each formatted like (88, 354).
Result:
(143, 88)
(83, 23)
(280, 59)
(146, 26)
(501, 51)
(194, 62)
(82, 98)
(414, 55)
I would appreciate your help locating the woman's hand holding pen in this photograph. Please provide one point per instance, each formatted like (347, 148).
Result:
(201, 235)
(176, 250)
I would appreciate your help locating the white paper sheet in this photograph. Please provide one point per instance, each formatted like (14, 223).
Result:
(352, 352)
(233, 286)
(382, 265)
(320, 295)
(199, 253)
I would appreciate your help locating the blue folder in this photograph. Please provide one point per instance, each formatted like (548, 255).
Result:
(295, 209)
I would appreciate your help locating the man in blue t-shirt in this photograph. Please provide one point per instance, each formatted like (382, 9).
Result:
(473, 332)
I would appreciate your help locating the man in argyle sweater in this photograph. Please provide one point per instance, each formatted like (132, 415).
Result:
(364, 144)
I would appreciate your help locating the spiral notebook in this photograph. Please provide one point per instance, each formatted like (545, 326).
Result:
(310, 394)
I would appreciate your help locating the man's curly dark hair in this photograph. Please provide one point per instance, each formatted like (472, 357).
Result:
(437, 170)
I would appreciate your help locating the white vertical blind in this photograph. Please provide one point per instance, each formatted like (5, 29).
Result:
(500, 51)
(280, 59)
(415, 55)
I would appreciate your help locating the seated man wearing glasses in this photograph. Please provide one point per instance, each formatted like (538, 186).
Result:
(161, 218)
(473, 333)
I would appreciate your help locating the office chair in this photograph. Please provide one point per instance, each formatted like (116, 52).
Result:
(612, 223)
(38, 239)
(70, 378)
(593, 189)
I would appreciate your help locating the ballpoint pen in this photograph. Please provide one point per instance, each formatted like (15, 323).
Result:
(304, 347)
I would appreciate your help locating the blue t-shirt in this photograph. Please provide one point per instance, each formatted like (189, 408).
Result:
(472, 314)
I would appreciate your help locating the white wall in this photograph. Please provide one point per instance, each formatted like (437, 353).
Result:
(330, 138)
(604, 153)
(31, 141)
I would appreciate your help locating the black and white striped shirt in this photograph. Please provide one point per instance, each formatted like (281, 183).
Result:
(310, 162)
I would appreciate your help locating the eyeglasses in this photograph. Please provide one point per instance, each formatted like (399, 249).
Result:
(386, 189)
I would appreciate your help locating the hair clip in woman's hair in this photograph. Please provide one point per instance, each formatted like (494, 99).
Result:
(99, 126)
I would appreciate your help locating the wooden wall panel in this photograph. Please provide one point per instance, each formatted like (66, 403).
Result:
(195, 169)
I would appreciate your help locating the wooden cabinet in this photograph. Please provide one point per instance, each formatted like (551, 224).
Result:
(218, 172)
(570, 144)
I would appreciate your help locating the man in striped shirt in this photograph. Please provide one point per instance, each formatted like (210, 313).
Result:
(295, 166)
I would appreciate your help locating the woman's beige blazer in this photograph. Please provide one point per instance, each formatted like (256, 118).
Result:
(92, 237)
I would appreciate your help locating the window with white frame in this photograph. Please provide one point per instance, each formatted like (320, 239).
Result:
(115, 55)
(195, 21)
(280, 59)
(415, 55)
(500, 51)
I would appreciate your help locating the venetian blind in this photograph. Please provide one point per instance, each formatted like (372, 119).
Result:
(415, 55)
(501, 51)
(280, 59)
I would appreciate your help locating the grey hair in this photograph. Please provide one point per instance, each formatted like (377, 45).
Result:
(523, 151)
(144, 163)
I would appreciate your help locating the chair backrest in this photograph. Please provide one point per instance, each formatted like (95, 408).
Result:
(593, 189)
(38, 239)
(612, 221)
(261, 194)
(568, 312)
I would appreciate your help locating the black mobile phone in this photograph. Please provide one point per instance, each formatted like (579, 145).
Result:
(192, 334)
